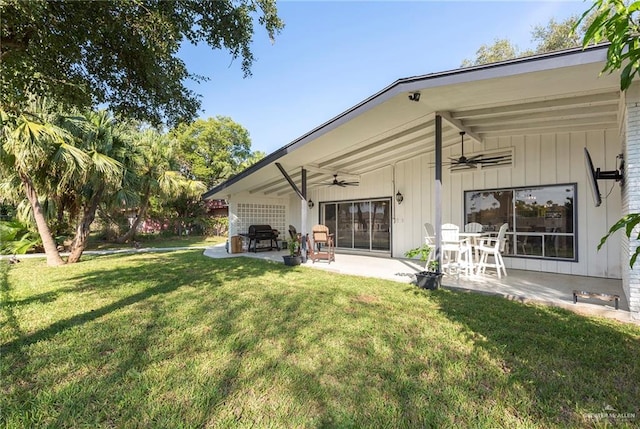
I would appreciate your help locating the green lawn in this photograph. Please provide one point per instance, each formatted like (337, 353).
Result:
(155, 241)
(180, 340)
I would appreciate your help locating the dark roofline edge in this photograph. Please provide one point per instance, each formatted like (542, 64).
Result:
(279, 153)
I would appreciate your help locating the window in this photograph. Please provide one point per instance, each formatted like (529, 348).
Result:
(541, 219)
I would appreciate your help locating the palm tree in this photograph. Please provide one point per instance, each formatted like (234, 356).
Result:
(104, 142)
(157, 176)
(33, 149)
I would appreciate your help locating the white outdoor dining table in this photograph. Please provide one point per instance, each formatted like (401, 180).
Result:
(474, 238)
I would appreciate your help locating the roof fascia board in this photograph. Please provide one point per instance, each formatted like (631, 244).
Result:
(532, 64)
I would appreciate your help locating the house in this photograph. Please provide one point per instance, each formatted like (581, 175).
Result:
(217, 208)
(529, 120)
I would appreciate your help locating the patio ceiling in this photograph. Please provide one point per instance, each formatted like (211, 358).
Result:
(553, 93)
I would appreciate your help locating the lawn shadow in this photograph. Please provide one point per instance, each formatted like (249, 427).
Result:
(176, 270)
(239, 341)
(570, 363)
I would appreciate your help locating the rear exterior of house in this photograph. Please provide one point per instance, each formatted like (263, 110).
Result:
(534, 115)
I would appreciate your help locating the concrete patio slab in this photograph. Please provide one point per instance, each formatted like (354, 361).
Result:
(518, 285)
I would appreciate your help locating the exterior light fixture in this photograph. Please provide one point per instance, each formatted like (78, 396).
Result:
(414, 96)
(311, 204)
(399, 198)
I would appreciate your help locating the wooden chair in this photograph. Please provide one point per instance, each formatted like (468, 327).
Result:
(322, 247)
(292, 232)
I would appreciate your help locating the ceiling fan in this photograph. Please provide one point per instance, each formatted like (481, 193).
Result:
(341, 183)
(473, 161)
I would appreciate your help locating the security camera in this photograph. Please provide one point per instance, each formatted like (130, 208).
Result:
(414, 96)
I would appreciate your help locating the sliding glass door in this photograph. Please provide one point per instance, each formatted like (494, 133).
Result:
(359, 225)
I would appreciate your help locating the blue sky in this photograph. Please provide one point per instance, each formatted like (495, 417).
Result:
(333, 54)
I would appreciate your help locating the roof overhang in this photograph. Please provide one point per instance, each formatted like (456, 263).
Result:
(554, 92)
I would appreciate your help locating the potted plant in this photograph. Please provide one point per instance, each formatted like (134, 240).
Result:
(431, 277)
(293, 258)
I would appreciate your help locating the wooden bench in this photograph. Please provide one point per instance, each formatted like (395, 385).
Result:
(601, 296)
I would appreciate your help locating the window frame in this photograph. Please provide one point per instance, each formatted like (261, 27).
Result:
(513, 230)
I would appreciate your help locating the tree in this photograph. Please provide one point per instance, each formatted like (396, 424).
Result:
(34, 146)
(557, 35)
(121, 53)
(102, 139)
(211, 151)
(157, 175)
(502, 49)
(214, 149)
(65, 164)
(614, 21)
(552, 37)
(628, 223)
(618, 23)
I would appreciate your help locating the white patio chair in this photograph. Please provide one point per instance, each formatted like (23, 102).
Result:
(493, 247)
(456, 251)
(473, 227)
(430, 241)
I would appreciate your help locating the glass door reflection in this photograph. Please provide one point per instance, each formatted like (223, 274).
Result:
(362, 225)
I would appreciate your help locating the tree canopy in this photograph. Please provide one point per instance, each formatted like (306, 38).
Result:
(214, 149)
(500, 50)
(121, 53)
(551, 37)
(618, 23)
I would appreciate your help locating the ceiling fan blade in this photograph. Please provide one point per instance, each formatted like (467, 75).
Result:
(463, 166)
(341, 183)
(473, 158)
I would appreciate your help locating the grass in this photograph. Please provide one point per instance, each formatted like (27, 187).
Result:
(180, 340)
(155, 241)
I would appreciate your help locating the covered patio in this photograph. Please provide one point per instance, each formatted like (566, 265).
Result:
(376, 173)
(520, 285)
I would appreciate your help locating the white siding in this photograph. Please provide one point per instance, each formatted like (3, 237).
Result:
(544, 159)
(539, 160)
(376, 184)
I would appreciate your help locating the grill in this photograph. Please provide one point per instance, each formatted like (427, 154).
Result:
(258, 233)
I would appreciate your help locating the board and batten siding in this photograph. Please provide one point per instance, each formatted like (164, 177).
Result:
(541, 159)
(375, 184)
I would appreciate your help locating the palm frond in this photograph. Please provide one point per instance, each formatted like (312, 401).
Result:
(108, 167)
